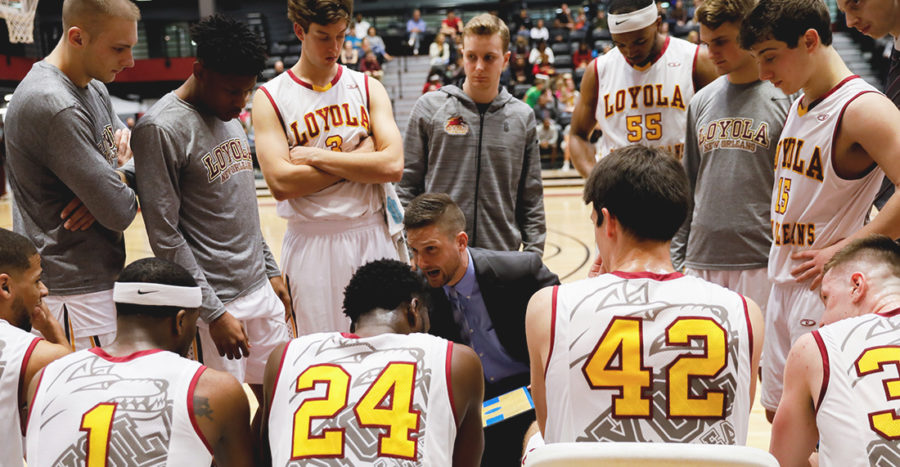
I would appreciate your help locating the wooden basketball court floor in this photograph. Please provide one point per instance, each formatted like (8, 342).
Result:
(568, 252)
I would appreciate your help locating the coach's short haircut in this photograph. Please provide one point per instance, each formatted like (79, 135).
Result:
(15, 252)
(156, 271)
(875, 249)
(228, 46)
(487, 24)
(323, 12)
(786, 21)
(88, 14)
(645, 188)
(434, 208)
(384, 284)
(715, 13)
(620, 7)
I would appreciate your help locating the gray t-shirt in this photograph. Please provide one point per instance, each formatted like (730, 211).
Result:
(60, 145)
(729, 153)
(198, 197)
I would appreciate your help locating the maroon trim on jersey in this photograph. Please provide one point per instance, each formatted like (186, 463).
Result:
(349, 335)
(448, 367)
(22, 392)
(749, 330)
(552, 330)
(834, 135)
(830, 92)
(368, 102)
(274, 106)
(127, 358)
(825, 371)
(33, 398)
(190, 407)
(694, 68)
(888, 314)
(648, 275)
(337, 77)
(662, 51)
(280, 366)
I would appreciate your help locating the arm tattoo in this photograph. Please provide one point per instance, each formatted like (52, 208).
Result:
(202, 408)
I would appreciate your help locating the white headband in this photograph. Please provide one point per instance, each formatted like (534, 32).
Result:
(633, 21)
(148, 293)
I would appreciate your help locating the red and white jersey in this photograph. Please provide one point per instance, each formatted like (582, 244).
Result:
(344, 400)
(812, 206)
(334, 117)
(16, 346)
(648, 357)
(859, 398)
(646, 105)
(91, 408)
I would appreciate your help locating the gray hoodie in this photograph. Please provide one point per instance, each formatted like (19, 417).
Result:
(489, 165)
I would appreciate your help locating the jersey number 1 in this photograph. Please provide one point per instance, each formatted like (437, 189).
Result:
(97, 422)
(395, 383)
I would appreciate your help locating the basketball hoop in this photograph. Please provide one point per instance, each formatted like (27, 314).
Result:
(19, 15)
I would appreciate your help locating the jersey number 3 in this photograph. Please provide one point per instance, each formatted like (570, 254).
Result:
(617, 362)
(396, 384)
(885, 423)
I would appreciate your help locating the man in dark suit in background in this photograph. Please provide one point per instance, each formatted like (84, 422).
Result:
(479, 298)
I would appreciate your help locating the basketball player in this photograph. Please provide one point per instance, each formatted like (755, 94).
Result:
(137, 401)
(195, 180)
(838, 386)
(640, 90)
(733, 126)
(22, 354)
(83, 159)
(840, 138)
(641, 352)
(390, 391)
(328, 145)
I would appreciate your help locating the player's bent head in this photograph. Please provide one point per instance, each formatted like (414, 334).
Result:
(323, 12)
(154, 288)
(434, 209)
(16, 252)
(387, 285)
(785, 21)
(645, 188)
(487, 24)
(91, 15)
(873, 251)
(714, 13)
(228, 46)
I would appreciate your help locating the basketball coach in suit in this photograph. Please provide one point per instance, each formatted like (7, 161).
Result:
(478, 298)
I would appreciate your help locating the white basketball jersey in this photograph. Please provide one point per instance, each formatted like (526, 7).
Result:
(859, 400)
(648, 357)
(94, 409)
(16, 346)
(812, 206)
(344, 400)
(649, 105)
(334, 117)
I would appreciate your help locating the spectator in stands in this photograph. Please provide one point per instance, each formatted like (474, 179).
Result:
(580, 22)
(600, 21)
(520, 69)
(433, 83)
(371, 67)
(548, 138)
(564, 16)
(546, 104)
(582, 56)
(542, 58)
(361, 26)
(539, 32)
(566, 94)
(532, 94)
(522, 21)
(377, 44)
(439, 51)
(415, 28)
(451, 26)
(350, 56)
(678, 14)
(278, 66)
(693, 37)
(523, 32)
(456, 72)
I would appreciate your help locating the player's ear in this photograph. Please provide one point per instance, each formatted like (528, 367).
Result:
(4, 285)
(299, 32)
(198, 69)
(462, 240)
(76, 36)
(810, 38)
(180, 323)
(860, 286)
